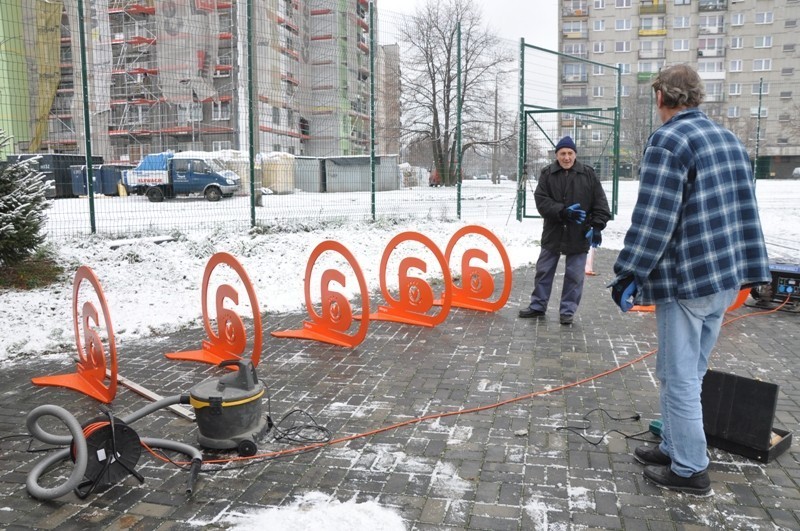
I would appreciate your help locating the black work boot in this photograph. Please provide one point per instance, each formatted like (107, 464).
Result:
(697, 484)
(651, 455)
(529, 313)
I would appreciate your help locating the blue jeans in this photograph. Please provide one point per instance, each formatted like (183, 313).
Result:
(687, 331)
(571, 291)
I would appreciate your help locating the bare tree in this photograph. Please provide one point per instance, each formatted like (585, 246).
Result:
(430, 73)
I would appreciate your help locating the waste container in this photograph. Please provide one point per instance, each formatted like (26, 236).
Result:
(109, 178)
(277, 170)
(79, 178)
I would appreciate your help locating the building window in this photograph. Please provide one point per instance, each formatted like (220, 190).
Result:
(622, 46)
(681, 22)
(789, 71)
(598, 92)
(735, 89)
(714, 90)
(622, 24)
(276, 147)
(682, 2)
(220, 145)
(764, 17)
(737, 43)
(763, 41)
(735, 65)
(680, 45)
(221, 110)
(599, 47)
(651, 23)
(624, 68)
(762, 65)
(599, 25)
(756, 87)
(622, 3)
(754, 112)
(733, 111)
(711, 24)
(190, 112)
(710, 66)
(790, 24)
(598, 70)
(276, 117)
(786, 94)
(599, 4)
(737, 19)
(788, 48)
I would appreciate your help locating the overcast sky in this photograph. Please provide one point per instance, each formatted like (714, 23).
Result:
(535, 21)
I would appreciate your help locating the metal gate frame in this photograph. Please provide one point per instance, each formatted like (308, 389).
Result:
(591, 115)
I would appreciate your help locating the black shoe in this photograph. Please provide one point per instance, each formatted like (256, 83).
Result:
(566, 319)
(528, 313)
(651, 455)
(697, 484)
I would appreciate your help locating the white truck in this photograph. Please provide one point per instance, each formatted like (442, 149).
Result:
(166, 175)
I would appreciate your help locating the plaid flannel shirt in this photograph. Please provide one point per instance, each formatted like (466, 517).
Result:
(695, 229)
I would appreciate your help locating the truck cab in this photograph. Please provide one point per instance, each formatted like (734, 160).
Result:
(202, 175)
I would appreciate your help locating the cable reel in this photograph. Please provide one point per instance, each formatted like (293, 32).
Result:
(112, 454)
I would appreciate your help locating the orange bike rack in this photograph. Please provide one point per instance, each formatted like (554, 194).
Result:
(738, 303)
(415, 294)
(91, 378)
(230, 342)
(477, 284)
(332, 325)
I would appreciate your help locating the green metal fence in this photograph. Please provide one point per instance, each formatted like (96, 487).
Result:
(201, 113)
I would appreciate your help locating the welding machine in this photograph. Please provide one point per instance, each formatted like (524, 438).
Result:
(785, 287)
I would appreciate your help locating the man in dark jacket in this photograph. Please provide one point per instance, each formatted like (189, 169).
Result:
(571, 200)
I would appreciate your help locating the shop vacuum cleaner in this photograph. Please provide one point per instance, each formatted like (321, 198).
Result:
(229, 410)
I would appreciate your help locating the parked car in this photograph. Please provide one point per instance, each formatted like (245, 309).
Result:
(796, 173)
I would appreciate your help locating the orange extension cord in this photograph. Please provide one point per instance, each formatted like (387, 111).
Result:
(315, 446)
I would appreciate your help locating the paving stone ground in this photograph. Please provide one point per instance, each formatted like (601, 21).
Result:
(515, 466)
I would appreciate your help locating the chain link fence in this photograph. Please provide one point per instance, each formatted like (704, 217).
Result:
(207, 113)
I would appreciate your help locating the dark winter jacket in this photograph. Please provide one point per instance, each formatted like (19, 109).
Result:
(559, 188)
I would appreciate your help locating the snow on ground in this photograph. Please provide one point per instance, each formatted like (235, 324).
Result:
(154, 286)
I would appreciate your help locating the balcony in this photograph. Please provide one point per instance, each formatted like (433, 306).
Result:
(712, 5)
(575, 34)
(575, 101)
(568, 12)
(574, 78)
(652, 54)
(645, 77)
(710, 30)
(650, 8)
(711, 52)
(652, 32)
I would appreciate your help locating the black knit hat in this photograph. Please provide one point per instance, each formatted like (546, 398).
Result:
(566, 142)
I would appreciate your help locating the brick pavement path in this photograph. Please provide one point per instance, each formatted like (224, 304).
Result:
(511, 467)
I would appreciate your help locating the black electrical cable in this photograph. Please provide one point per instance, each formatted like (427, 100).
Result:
(576, 429)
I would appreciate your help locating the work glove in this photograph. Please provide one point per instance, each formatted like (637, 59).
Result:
(623, 290)
(574, 213)
(594, 236)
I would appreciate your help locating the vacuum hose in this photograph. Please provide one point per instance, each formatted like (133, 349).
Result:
(79, 449)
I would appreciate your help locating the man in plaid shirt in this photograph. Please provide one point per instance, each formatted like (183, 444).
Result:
(695, 240)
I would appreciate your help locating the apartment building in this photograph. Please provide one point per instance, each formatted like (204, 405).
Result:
(746, 52)
(173, 75)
